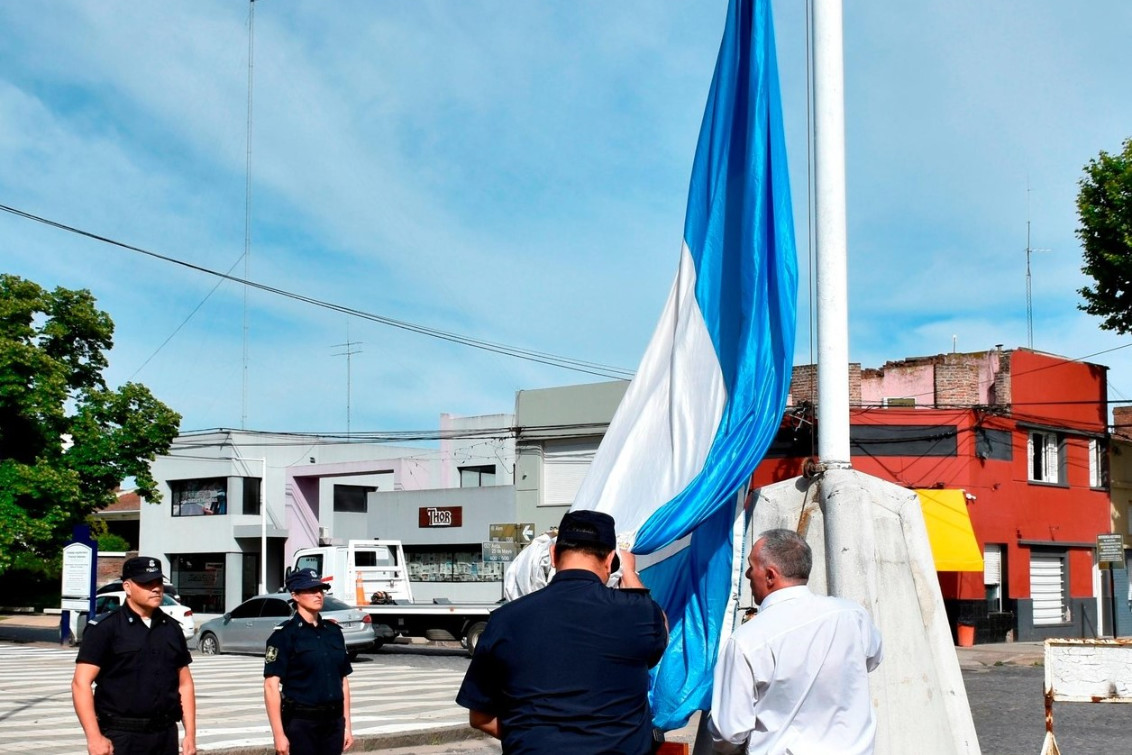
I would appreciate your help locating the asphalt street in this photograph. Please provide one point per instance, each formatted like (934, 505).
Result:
(408, 689)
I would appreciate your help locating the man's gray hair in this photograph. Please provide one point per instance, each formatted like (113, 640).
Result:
(789, 552)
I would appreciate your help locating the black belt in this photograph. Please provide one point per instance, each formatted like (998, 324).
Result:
(322, 712)
(125, 723)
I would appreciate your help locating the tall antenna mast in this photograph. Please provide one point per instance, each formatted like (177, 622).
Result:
(248, 211)
(1029, 293)
(348, 352)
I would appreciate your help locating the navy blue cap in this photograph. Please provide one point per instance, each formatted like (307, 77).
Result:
(141, 569)
(304, 579)
(588, 528)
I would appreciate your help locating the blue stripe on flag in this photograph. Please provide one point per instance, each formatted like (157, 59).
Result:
(739, 230)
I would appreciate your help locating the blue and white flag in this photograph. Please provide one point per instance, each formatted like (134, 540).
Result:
(709, 394)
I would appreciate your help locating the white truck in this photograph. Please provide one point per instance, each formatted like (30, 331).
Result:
(373, 575)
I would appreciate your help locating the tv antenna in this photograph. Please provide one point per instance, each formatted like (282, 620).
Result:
(348, 351)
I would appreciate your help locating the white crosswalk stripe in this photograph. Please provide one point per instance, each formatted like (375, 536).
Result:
(387, 698)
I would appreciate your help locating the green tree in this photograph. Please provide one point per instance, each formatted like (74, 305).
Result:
(1104, 208)
(66, 439)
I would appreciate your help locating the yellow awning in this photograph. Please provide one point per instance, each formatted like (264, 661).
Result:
(954, 547)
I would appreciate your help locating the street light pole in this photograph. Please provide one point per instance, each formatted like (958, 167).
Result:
(263, 528)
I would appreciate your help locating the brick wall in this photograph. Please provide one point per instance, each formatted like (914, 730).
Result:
(110, 567)
(804, 384)
(956, 382)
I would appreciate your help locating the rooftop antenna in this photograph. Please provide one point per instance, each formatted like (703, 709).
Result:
(348, 352)
(1029, 294)
(247, 212)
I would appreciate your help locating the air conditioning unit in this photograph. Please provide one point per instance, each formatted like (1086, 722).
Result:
(324, 536)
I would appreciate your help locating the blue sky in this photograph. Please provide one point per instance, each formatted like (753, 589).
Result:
(517, 172)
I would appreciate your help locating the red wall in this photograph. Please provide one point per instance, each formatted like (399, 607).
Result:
(1045, 391)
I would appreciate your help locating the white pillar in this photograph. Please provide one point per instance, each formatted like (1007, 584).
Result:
(832, 281)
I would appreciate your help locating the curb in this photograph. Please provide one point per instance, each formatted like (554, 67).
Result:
(382, 742)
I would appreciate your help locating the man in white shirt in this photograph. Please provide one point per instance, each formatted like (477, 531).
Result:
(794, 679)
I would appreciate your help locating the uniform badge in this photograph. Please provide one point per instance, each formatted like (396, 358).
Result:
(272, 654)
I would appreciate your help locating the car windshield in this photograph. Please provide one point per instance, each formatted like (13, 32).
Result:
(167, 600)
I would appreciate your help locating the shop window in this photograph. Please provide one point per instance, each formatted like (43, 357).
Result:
(453, 563)
(1045, 451)
(482, 476)
(200, 580)
(351, 499)
(200, 497)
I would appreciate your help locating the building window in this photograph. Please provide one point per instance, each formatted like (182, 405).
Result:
(351, 499)
(1047, 587)
(477, 477)
(564, 466)
(1098, 464)
(992, 576)
(199, 497)
(1045, 453)
(253, 495)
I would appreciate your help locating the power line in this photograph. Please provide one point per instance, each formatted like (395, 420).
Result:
(541, 357)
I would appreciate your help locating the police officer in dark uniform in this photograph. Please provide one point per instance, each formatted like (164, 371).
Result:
(565, 669)
(139, 659)
(305, 687)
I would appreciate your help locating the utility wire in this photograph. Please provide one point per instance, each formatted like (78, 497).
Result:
(567, 363)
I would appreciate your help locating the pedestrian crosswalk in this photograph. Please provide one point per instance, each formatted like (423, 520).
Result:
(388, 697)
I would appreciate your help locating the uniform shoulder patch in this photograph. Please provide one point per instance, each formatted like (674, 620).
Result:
(279, 626)
(272, 654)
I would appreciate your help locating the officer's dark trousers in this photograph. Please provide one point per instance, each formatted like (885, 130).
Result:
(308, 737)
(144, 742)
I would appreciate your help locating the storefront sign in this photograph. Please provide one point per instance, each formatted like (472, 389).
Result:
(440, 516)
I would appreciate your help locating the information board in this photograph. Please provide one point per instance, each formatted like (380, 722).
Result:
(1110, 550)
(78, 564)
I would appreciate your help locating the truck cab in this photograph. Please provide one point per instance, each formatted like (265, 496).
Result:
(362, 572)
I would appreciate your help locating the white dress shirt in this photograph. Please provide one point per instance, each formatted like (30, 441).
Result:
(794, 679)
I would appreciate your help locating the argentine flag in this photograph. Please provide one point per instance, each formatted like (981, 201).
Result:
(709, 394)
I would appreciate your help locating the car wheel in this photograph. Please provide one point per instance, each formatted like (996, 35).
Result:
(472, 638)
(209, 645)
(376, 646)
(352, 655)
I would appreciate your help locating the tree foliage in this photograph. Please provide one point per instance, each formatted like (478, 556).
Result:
(66, 439)
(1104, 208)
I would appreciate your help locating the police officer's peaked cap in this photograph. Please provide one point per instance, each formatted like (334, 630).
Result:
(141, 569)
(588, 528)
(305, 579)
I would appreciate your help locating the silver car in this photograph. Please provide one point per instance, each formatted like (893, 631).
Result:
(247, 627)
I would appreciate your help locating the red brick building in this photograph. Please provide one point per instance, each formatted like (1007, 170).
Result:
(1024, 434)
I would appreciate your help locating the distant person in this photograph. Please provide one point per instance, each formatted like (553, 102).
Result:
(305, 688)
(794, 678)
(565, 669)
(137, 659)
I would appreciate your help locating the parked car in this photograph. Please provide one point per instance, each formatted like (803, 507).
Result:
(108, 599)
(116, 586)
(246, 628)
